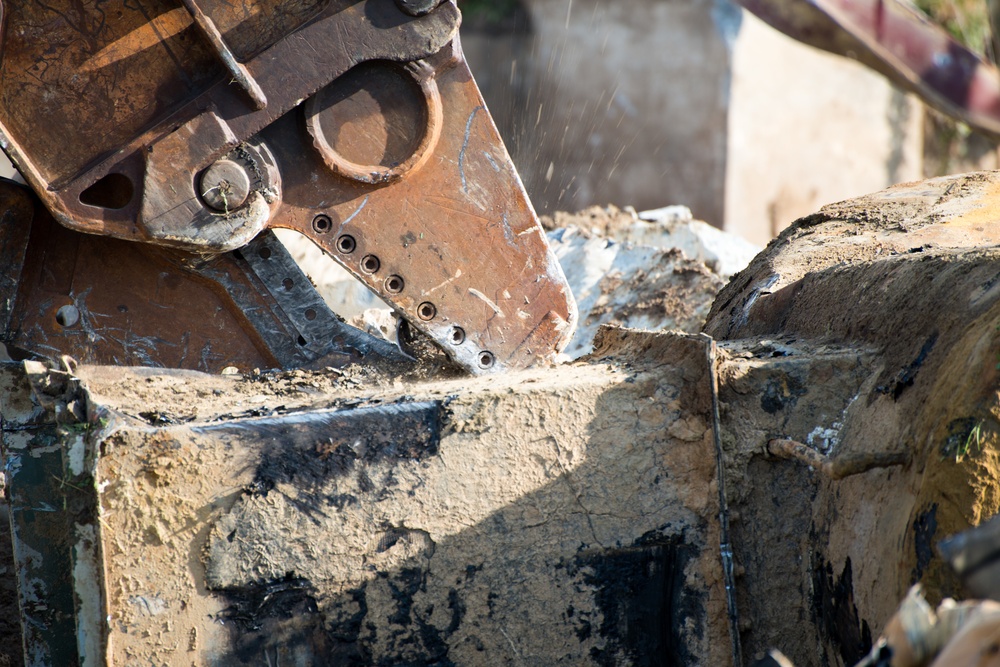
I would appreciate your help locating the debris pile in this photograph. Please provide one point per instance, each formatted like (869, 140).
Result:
(667, 227)
(656, 270)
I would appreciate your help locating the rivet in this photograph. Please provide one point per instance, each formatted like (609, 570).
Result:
(67, 316)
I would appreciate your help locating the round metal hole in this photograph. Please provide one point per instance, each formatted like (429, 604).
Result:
(370, 264)
(457, 336)
(67, 316)
(322, 224)
(486, 359)
(288, 284)
(426, 311)
(394, 284)
(346, 244)
(310, 314)
(265, 252)
(301, 340)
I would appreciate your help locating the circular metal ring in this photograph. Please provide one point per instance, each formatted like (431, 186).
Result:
(423, 75)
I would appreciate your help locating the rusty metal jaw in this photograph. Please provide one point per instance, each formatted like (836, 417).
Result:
(392, 165)
(434, 218)
(107, 301)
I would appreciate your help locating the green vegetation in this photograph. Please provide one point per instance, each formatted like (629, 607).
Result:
(966, 20)
(975, 437)
(949, 146)
(966, 437)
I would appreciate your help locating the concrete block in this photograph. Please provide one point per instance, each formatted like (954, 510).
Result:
(557, 517)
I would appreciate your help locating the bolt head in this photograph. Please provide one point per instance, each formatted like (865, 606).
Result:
(225, 186)
(68, 316)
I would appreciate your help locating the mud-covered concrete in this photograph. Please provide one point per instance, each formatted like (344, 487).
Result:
(903, 286)
(563, 516)
(787, 389)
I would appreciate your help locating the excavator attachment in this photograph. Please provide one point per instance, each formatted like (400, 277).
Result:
(168, 138)
(292, 519)
(161, 142)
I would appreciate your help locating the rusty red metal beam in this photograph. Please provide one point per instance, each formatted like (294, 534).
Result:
(898, 41)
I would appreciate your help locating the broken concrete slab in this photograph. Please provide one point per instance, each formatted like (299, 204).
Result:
(907, 279)
(666, 227)
(447, 521)
(674, 227)
(639, 287)
(464, 522)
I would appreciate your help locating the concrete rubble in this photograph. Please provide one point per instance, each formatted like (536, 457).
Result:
(655, 270)
(464, 522)
(778, 481)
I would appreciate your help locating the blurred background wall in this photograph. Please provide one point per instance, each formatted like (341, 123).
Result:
(695, 102)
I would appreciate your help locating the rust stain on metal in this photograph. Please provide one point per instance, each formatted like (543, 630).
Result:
(395, 132)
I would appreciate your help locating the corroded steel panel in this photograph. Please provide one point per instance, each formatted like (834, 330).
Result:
(356, 123)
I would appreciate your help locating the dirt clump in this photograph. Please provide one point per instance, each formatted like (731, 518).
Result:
(606, 221)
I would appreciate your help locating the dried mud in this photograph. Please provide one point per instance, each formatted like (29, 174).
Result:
(607, 221)
(526, 532)
(903, 280)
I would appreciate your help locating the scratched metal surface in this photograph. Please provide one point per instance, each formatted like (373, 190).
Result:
(19, 418)
(400, 175)
(64, 165)
(16, 214)
(99, 71)
(464, 236)
(135, 309)
(52, 501)
(139, 306)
